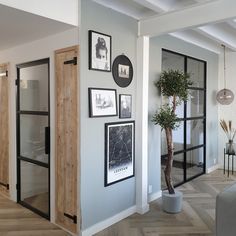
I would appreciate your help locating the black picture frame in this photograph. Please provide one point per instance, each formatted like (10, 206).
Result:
(119, 152)
(122, 71)
(125, 106)
(100, 53)
(102, 102)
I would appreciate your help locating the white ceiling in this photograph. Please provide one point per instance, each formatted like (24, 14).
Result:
(19, 27)
(209, 36)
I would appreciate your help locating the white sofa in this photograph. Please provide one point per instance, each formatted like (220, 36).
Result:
(226, 212)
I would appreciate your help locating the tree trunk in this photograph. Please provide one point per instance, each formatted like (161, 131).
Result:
(169, 162)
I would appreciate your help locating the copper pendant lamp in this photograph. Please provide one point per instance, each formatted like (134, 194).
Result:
(225, 96)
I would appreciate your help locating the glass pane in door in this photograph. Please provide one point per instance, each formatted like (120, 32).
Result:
(196, 69)
(34, 186)
(32, 137)
(34, 88)
(195, 162)
(172, 61)
(195, 104)
(195, 133)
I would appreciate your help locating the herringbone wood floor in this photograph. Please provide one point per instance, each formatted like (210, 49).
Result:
(16, 220)
(196, 219)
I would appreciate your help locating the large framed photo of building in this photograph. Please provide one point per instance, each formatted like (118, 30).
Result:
(99, 51)
(119, 151)
(102, 102)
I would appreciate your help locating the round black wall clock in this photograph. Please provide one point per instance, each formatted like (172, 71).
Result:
(122, 71)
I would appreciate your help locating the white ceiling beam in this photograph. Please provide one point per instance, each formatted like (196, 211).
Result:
(188, 18)
(219, 35)
(151, 5)
(197, 39)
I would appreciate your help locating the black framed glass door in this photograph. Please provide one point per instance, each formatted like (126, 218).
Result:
(33, 136)
(190, 137)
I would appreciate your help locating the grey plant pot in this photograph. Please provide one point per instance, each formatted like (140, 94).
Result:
(172, 203)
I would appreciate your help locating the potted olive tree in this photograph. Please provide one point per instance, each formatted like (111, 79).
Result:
(173, 84)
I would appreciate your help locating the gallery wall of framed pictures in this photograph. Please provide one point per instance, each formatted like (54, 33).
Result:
(105, 102)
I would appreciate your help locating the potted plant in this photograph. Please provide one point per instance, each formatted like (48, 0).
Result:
(173, 84)
(230, 133)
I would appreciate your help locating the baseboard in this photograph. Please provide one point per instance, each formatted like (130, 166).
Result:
(108, 222)
(143, 209)
(213, 168)
(154, 196)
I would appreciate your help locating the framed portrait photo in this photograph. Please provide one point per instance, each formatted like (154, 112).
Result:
(122, 71)
(102, 102)
(125, 105)
(119, 151)
(99, 51)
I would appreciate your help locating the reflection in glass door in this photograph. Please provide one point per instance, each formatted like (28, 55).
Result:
(33, 136)
(189, 138)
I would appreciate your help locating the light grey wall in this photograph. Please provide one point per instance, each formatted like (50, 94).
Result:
(173, 44)
(98, 202)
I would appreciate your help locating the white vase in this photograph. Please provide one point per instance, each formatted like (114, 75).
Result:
(172, 203)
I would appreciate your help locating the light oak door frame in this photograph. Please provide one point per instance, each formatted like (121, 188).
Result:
(67, 139)
(4, 127)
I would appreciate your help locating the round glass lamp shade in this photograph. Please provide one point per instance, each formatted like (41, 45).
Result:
(225, 96)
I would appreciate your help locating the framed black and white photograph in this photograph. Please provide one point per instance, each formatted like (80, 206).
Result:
(102, 102)
(99, 51)
(119, 151)
(125, 105)
(122, 71)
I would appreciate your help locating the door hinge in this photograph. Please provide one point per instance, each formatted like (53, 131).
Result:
(16, 82)
(73, 61)
(16, 186)
(74, 217)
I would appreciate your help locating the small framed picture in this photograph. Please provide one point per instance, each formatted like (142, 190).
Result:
(122, 71)
(119, 151)
(102, 102)
(125, 105)
(99, 51)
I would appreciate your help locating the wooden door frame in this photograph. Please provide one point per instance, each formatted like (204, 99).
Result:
(76, 48)
(6, 192)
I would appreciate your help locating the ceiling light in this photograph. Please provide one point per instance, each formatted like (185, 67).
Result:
(225, 96)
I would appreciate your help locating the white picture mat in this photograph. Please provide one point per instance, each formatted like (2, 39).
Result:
(107, 105)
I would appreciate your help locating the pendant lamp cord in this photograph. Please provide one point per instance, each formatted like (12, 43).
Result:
(224, 68)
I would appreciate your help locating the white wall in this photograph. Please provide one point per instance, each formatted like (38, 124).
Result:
(40, 49)
(227, 112)
(177, 45)
(61, 10)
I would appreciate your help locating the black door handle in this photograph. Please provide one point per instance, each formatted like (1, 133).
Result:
(47, 140)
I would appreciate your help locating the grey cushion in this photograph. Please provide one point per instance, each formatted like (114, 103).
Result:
(226, 212)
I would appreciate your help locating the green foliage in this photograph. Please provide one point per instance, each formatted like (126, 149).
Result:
(174, 83)
(166, 118)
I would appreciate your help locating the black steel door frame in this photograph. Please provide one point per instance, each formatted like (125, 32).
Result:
(185, 119)
(21, 158)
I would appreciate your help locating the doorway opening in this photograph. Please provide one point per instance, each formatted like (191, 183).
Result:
(33, 136)
(190, 138)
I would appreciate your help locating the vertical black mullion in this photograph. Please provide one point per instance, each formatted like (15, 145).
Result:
(185, 128)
